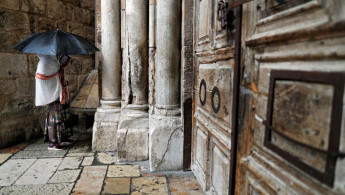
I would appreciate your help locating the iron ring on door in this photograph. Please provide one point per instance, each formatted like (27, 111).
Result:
(202, 86)
(215, 104)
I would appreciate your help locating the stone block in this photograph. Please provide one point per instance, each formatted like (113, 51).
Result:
(104, 136)
(61, 189)
(93, 98)
(40, 154)
(149, 185)
(40, 172)
(87, 161)
(32, 63)
(165, 143)
(35, 6)
(72, 84)
(91, 180)
(14, 21)
(65, 176)
(59, 10)
(123, 171)
(7, 87)
(26, 87)
(37, 146)
(133, 138)
(80, 147)
(40, 24)
(14, 65)
(81, 80)
(8, 40)
(117, 186)
(74, 2)
(184, 185)
(17, 108)
(88, 4)
(83, 16)
(4, 157)
(13, 169)
(133, 144)
(70, 163)
(106, 158)
(10, 4)
(89, 154)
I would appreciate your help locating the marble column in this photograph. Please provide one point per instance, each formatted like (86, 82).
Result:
(166, 133)
(108, 114)
(133, 132)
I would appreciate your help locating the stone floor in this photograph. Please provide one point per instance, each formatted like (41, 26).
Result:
(30, 168)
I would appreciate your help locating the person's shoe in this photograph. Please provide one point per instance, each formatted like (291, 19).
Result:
(55, 147)
(67, 141)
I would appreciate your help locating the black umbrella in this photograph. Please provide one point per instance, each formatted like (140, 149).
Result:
(57, 43)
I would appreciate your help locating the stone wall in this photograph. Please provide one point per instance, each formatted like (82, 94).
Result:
(19, 118)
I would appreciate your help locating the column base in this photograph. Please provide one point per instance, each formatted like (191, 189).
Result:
(165, 143)
(105, 128)
(133, 134)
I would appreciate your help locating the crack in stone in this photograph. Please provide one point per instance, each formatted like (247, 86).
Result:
(124, 141)
(166, 150)
(130, 95)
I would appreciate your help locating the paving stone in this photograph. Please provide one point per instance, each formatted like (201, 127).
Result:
(40, 154)
(117, 185)
(87, 161)
(81, 154)
(13, 169)
(81, 147)
(149, 185)
(39, 146)
(51, 189)
(85, 137)
(14, 149)
(70, 163)
(123, 171)
(91, 180)
(39, 172)
(4, 157)
(184, 185)
(106, 158)
(66, 176)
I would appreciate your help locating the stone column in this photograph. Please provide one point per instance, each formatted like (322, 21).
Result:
(107, 115)
(132, 135)
(166, 133)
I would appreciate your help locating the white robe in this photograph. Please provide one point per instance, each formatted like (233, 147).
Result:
(50, 90)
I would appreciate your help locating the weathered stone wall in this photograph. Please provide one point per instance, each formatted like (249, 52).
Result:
(19, 118)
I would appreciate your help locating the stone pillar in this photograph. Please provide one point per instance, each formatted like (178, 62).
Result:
(133, 132)
(107, 115)
(166, 133)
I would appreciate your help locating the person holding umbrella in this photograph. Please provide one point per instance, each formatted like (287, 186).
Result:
(51, 90)
(53, 48)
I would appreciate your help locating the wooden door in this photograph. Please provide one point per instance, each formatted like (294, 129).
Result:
(213, 100)
(291, 132)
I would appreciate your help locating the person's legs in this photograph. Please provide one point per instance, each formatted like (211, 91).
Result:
(54, 127)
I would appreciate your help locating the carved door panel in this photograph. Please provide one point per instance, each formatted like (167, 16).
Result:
(213, 99)
(291, 138)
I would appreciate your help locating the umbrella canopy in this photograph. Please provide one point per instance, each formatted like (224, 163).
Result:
(56, 42)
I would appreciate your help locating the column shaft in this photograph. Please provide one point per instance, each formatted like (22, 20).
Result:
(137, 48)
(168, 54)
(111, 50)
